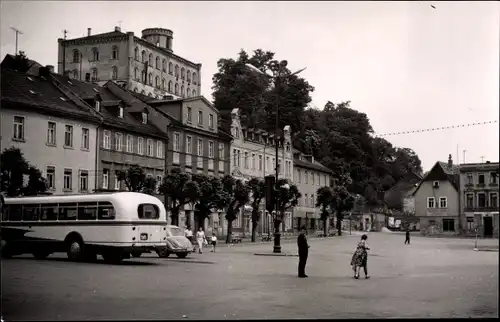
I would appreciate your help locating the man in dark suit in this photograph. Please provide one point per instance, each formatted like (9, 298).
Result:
(407, 240)
(303, 252)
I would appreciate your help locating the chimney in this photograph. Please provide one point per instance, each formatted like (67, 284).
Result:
(44, 71)
(118, 29)
(89, 32)
(51, 68)
(450, 161)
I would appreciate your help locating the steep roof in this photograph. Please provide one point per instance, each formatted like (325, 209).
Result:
(42, 94)
(451, 173)
(311, 165)
(9, 62)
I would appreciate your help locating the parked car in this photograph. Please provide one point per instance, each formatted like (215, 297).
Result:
(177, 243)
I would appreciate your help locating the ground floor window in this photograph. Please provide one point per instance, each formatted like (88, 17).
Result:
(448, 225)
(470, 223)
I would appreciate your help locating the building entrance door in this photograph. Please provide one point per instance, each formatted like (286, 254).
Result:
(488, 226)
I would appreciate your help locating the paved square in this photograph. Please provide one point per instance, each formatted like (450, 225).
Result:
(432, 277)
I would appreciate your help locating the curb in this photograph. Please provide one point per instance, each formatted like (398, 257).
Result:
(276, 254)
(486, 250)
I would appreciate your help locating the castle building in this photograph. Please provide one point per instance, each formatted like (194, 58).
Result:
(146, 65)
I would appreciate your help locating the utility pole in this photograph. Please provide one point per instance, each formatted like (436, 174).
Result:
(18, 32)
(482, 159)
(64, 53)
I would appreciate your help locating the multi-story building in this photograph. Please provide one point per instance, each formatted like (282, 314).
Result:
(55, 133)
(310, 175)
(437, 199)
(146, 65)
(479, 198)
(196, 145)
(253, 155)
(129, 134)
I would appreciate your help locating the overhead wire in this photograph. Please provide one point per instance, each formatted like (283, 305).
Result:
(449, 127)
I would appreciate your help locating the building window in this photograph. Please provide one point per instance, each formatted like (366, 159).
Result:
(448, 225)
(95, 54)
(75, 74)
(312, 178)
(306, 200)
(431, 202)
(143, 79)
(157, 82)
(312, 200)
(150, 79)
(130, 143)
(183, 73)
(470, 178)
(118, 141)
(114, 54)
(68, 136)
(210, 121)
(306, 177)
(299, 175)
(469, 200)
(136, 53)
(150, 148)
(176, 71)
(177, 141)
(143, 56)
(182, 91)
(163, 84)
(140, 146)
(76, 56)
(493, 200)
(493, 178)
(105, 178)
(84, 180)
(194, 93)
(470, 224)
(239, 158)
(189, 115)
(144, 118)
(18, 128)
(117, 182)
(481, 179)
(136, 74)
(157, 62)
(150, 62)
(221, 151)
(200, 117)
(443, 202)
(170, 68)
(169, 89)
(51, 133)
(481, 200)
(106, 139)
(268, 165)
(253, 161)
(188, 93)
(114, 74)
(176, 90)
(210, 149)
(194, 78)
(159, 149)
(189, 143)
(94, 74)
(164, 65)
(85, 138)
(188, 74)
(51, 177)
(235, 156)
(260, 162)
(245, 160)
(237, 132)
(68, 184)
(200, 147)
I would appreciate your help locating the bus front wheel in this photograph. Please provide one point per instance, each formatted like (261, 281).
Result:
(75, 249)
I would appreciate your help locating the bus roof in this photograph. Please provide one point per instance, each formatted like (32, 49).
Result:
(119, 197)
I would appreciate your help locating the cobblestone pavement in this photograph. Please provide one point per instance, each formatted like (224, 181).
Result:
(438, 278)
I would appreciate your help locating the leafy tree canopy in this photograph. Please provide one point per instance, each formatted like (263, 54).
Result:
(212, 195)
(13, 170)
(136, 180)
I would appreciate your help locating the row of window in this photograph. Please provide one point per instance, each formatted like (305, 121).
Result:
(199, 146)
(102, 210)
(106, 184)
(184, 74)
(481, 178)
(443, 202)
(189, 119)
(170, 87)
(481, 200)
(448, 224)
(118, 144)
(77, 55)
(93, 73)
(311, 202)
(251, 136)
(250, 163)
(314, 178)
(83, 179)
(19, 133)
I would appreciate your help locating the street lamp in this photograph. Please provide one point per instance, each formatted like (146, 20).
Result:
(276, 78)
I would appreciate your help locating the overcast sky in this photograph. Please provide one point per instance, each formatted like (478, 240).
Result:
(406, 65)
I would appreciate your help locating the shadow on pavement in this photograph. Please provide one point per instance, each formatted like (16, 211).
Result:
(189, 260)
(99, 261)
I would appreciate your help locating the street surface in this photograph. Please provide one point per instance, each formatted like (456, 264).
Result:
(432, 277)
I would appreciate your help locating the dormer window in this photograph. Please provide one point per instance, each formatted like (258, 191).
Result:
(97, 106)
(144, 118)
(120, 112)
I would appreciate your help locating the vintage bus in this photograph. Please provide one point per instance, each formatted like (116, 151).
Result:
(113, 225)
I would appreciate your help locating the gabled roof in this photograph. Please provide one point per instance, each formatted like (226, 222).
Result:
(40, 93)
(311, 165)
(451, 173)
(9, 62)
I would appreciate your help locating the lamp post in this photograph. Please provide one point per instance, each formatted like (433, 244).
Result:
(276, 79)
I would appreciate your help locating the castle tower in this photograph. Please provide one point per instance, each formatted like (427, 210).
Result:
(159, 37)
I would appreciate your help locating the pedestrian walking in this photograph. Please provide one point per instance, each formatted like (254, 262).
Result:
(213, 242)
(303, 251)
(200, 238)
(407, 240)
(189, 234)
(360, 258)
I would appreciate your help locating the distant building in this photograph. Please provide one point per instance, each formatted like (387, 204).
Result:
(437, 200)
(146, 65)
(479, 198)
(55, 133)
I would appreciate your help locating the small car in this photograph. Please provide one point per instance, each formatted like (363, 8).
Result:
(177, 243)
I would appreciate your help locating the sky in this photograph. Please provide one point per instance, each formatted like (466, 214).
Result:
(406, 65)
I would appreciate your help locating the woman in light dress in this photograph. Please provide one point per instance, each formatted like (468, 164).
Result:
(360, 257)
(200, 238)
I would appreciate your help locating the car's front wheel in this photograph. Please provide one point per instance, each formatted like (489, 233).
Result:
(163, 252)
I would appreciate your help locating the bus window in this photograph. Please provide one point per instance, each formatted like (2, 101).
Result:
(105, 211)
(87, 210)
(49, 212)
(15, 212)
(67, 211)
(31, 212)
(148, 211)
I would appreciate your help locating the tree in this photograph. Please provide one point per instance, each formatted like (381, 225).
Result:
(324, 199)
(342, 200)
(212, 196)
(238, 195)
(14, 167)
(236, 86)
(21, 62)
(135, 179)
(181, 190)
(256, 187)
(288, 196)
